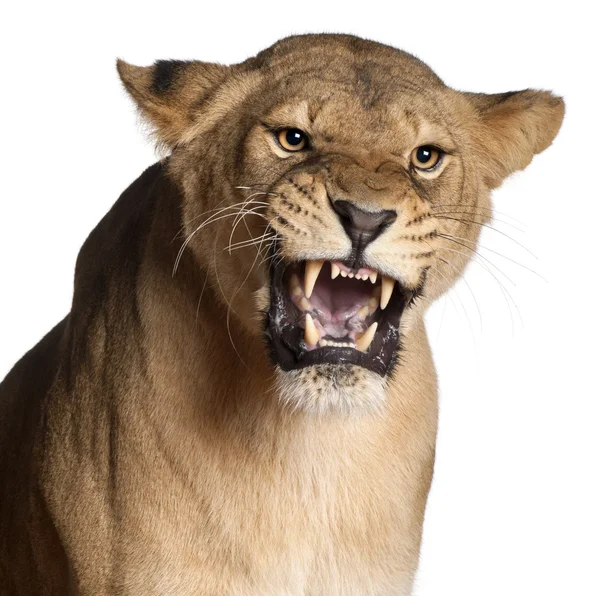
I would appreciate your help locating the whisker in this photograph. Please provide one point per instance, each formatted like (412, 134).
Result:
(229, 307)
(506, 294)
(270, 193)
(491, 218)
(219, 209)
(446, 296)
(444, 215)
(201, 294)
(452, 239)
(476, 255)
(211, 220)
(470, 290)
(239, 218)
(492, 211)
(503, 234)
(252, 241)
(236, 293)
(438, 270)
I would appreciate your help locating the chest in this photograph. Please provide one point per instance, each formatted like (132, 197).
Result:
(328, 530)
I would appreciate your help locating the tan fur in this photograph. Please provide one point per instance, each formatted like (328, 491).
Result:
(149, 445)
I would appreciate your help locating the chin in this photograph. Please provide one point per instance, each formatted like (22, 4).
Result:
(331, 388)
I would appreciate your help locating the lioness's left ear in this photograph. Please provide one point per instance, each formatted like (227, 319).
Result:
(513, 127)
(167, 92)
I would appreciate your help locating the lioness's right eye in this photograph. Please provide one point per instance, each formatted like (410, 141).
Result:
(292, 139)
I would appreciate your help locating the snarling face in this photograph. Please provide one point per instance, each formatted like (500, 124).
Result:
(332, 185)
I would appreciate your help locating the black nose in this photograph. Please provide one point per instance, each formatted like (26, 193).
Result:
(361, 226)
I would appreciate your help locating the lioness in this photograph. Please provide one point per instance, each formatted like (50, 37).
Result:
(242, 399)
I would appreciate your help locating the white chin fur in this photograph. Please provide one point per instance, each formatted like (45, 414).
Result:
(331, 388)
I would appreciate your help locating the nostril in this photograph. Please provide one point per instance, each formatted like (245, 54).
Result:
(389, 218)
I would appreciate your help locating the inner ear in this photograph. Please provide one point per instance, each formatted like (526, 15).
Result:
(167, 92)
(513, 127)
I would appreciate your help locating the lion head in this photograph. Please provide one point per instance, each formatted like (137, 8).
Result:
(332, 188)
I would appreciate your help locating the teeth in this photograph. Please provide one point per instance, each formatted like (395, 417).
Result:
(324, 343)
(373, 303)
(363, 312)
(311, 334)
(351, 274)
(387, 287)
(335, 270)
(344, 274)
(364, 341)
(295, 285)
(305, 304)
(373, 277)
(313, 268)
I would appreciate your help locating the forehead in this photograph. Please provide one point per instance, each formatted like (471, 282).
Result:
(343, 57)
(345, 112)
(341, 86)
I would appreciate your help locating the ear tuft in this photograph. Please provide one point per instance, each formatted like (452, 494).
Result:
(515, 126)
(167, 91)
(135, 79)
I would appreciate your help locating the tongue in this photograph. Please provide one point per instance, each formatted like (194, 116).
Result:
(338, 301)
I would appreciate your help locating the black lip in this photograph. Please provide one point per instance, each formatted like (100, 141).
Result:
(286, 340)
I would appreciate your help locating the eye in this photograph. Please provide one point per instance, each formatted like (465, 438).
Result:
(425, 157)
(292, 139)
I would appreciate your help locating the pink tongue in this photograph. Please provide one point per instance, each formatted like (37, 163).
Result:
(338, 300)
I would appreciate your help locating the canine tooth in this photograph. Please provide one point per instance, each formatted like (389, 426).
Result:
(343, 274)
(295, 285)
(364, 341)
(387, 287)
(313, 268)
(335, 270)
(311, 334)
(305, 304)
(373, 277)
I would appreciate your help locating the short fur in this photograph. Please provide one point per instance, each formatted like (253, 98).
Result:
(148, 444)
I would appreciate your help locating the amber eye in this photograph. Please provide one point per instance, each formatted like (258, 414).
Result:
(292, 139)
(425, 157)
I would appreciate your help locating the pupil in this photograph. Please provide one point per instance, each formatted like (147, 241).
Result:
(424, 154)
(293, 137)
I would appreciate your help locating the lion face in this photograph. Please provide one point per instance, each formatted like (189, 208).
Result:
(339, 184)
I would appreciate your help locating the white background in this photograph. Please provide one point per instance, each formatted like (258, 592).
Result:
(514, 505)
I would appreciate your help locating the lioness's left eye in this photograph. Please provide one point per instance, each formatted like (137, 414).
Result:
(292, 139)
(426, 157)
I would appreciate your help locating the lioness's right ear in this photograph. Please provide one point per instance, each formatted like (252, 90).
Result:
(513, 127)
(167, 92)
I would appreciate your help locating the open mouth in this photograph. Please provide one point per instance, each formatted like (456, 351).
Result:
(324, 312)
